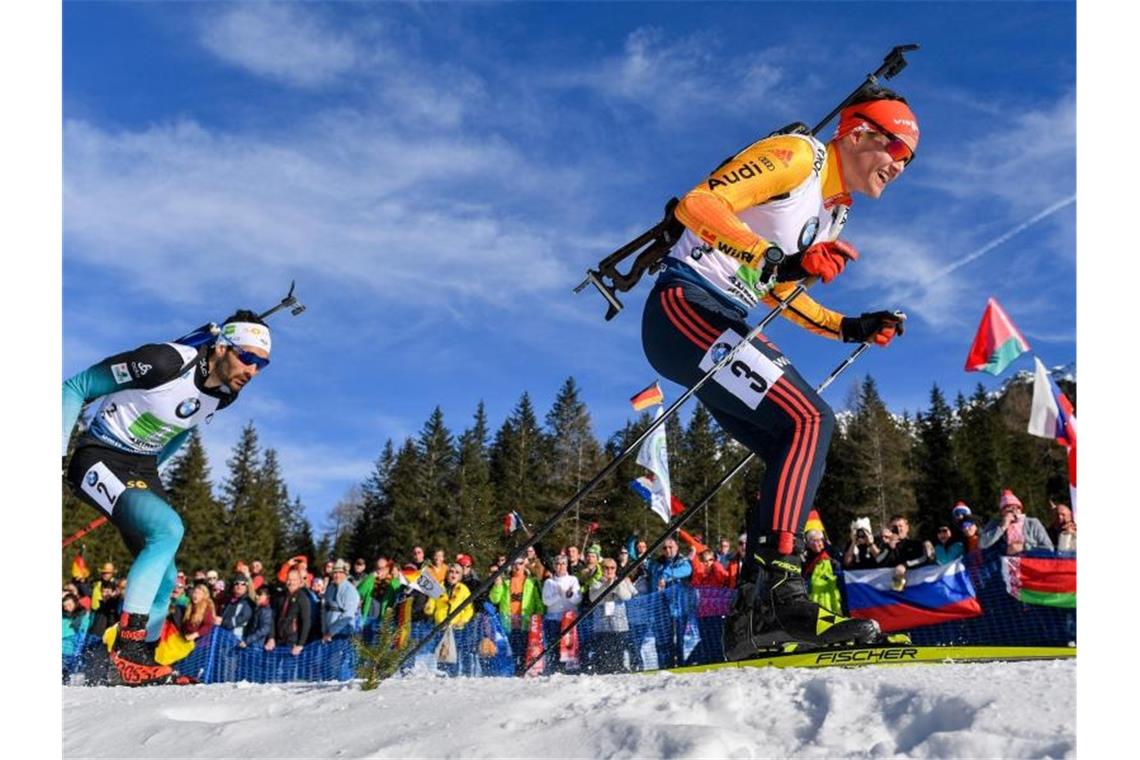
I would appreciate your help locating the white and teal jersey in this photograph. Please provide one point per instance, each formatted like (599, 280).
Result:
(149, 398)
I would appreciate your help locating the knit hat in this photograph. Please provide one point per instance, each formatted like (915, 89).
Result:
(595, 549)
(960, 511)
(341, 566)
(463, 560)
(1008, 498)
(861, 523)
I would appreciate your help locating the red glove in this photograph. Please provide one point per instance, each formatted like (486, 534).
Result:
(827, 259)
(824, 260)
(879, 326)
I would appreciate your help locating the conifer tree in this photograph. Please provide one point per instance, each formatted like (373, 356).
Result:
(937, 482)
(436, 448)
(519, 466)
(205, 541)
(881, 452)
(979, 448)
(251, 518)
(411, 519)
(575, 456)
(375, 521)
(474, 498)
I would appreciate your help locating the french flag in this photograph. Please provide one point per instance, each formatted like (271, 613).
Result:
(512, 521)
(1051, 416)
(933, 594)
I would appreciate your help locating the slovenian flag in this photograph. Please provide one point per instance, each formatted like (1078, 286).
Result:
(654, 456)
(512, 521)
(1051, 416)
(933, 594)
(997, 343)
(648, 397)
(1045, 581)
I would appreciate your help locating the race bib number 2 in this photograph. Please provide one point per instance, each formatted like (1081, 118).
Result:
(748, 376)
(101, 485)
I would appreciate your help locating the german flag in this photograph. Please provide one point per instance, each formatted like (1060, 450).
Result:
(648, 397)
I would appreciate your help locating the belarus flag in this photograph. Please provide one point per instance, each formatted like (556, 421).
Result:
(997, 343)
(1051, 416)
(933, 594)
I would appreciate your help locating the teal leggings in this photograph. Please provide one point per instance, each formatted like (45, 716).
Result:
(152, 531)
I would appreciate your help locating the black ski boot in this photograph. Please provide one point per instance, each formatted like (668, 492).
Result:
(773, 613)
(133, 657)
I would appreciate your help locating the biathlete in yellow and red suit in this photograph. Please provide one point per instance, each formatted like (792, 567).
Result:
(793, 193)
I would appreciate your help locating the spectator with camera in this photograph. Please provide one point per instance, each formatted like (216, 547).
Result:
(1012, 532)
(903, 552)
(561, 593)
(862, 552)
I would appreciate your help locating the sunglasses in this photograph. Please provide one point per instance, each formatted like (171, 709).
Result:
(247, 358)
(896, 146)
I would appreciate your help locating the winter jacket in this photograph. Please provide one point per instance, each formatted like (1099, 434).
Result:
(944, 554)
(500, 596)
(679, 596)
(74, 630)
(822, 576)
(609, 616)
(237, 614)
(554, 595)
(260, 627)
(293, 619)
(202, 629)
(453, 596)
(338, 609)
(1036, 537)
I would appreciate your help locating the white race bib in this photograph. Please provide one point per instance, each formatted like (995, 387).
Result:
(101, 485)
(748, 376)
(608, 609)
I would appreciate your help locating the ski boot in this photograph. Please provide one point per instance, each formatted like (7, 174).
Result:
(133, 657)
(772, 612)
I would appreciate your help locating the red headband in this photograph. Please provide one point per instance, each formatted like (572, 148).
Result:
(893, 115)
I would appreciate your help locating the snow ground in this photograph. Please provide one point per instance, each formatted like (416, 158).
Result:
(993, 710)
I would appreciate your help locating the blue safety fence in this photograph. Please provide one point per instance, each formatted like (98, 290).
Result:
(681, 625)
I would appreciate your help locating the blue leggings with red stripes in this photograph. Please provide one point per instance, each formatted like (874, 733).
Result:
(759, 399)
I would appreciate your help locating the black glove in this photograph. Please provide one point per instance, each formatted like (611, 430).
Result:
(879, 326)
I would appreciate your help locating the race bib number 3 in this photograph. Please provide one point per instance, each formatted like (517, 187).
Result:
(101, 485)
(748, 376)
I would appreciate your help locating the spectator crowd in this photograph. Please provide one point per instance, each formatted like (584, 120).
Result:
(539, 594)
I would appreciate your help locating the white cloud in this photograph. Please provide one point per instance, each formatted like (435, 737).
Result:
(279, 41)
(683, 77)
(417, 218)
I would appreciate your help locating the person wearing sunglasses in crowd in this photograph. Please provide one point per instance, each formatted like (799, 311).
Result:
(784, 198)
(149, 399)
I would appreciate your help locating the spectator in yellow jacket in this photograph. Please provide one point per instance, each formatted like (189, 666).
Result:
(455, 593)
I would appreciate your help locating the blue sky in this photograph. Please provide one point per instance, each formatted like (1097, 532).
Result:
(438, 177)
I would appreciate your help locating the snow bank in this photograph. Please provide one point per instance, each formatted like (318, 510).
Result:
(990, 710)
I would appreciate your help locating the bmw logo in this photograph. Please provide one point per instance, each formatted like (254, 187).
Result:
(808, 233)
(92, 478)
(719, 351)
(187, 408)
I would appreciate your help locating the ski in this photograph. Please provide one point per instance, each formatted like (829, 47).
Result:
(893, 654)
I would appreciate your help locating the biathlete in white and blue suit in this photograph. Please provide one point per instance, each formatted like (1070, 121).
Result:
(149, 399)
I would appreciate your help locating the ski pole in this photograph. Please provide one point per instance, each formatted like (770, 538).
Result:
(546, 527)
(96, 523)
(679, 520)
